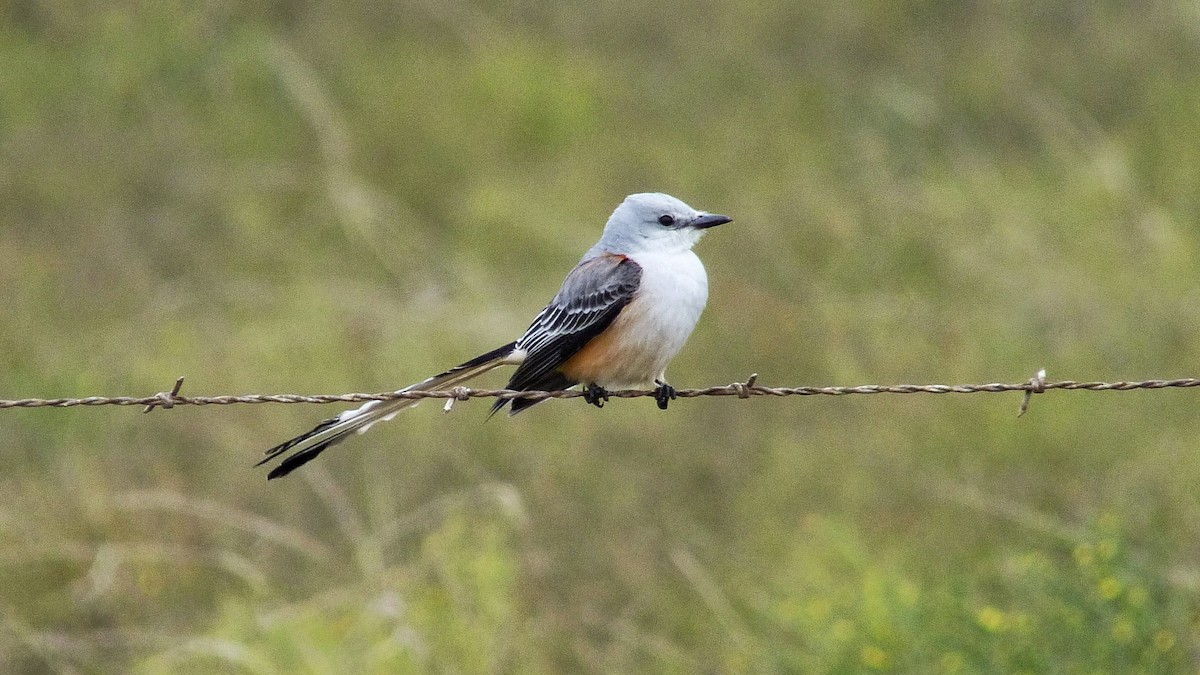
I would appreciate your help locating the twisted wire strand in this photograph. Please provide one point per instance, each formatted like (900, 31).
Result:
(746, 389)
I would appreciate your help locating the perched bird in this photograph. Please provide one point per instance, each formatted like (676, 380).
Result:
(620, 317)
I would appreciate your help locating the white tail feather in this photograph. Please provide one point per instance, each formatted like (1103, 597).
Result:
(362, 418)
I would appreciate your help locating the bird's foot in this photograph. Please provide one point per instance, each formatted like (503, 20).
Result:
(595, 394)
(664, 394)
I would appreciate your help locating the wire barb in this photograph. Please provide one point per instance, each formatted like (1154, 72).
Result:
(744, 389)
(459, 393)
(1037, 385)
(166, 398)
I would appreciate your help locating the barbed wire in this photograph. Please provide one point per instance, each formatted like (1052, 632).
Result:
(1036, 385)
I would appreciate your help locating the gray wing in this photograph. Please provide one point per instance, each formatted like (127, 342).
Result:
(592, 296)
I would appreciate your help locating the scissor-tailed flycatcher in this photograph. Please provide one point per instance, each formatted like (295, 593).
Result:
(621, 315)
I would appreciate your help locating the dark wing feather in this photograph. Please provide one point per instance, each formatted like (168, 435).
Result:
(592, 296)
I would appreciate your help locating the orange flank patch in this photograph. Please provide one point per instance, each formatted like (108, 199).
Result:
(616, 356)
(595, 360)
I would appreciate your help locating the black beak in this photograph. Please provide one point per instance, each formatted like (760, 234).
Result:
(709, 220)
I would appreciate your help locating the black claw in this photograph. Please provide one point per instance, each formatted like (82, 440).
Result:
(664, 394)
(595, 394)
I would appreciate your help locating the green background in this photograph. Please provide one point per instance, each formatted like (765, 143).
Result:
(329, 197)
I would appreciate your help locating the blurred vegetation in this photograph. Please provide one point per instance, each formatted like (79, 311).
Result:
(317, 198)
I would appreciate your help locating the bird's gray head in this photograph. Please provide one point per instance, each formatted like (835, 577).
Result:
(655, 222)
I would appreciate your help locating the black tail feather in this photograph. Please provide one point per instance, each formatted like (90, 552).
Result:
(496, 353)
(290, 464)
(551, 382)
(301, 458)
(289, 444)
(306, 455)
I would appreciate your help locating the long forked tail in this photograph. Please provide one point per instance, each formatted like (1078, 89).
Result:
(334, 430)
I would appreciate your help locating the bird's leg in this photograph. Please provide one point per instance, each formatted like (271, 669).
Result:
(664, 394)
(595, 394)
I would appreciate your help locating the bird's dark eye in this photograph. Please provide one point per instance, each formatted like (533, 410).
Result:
(666, 220)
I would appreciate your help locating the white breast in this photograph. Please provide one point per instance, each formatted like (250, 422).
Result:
(656, 324)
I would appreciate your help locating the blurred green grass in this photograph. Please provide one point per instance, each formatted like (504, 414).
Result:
(292, 197)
